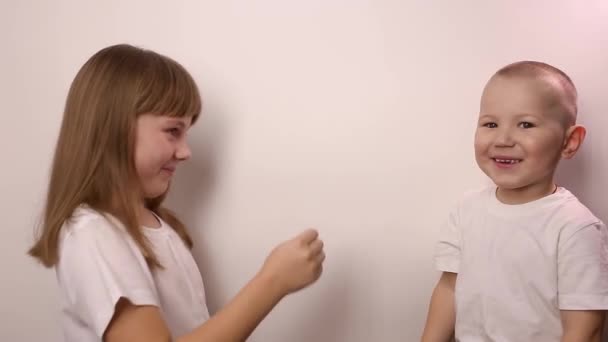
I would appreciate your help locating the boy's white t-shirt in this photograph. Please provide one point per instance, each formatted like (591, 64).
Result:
(519, 265)
(99, 263)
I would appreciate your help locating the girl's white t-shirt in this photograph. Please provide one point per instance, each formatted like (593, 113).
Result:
(99, 263)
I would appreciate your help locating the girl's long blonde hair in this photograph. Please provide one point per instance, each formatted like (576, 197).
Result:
(94, 157)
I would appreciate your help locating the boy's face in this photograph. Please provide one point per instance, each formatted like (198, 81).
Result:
(520, 136)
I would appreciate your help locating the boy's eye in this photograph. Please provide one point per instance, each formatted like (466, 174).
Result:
(526, 124)
(490, 125)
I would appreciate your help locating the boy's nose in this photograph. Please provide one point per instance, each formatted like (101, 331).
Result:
(504, 138)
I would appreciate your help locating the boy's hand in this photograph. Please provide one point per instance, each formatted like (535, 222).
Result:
(296, 263)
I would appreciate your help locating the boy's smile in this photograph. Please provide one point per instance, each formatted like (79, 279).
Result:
(506, 162)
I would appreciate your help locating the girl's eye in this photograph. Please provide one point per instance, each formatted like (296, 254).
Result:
(526, 124)
(490, 125)
(176, 132)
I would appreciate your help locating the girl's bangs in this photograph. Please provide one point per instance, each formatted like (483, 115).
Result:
(168, 89)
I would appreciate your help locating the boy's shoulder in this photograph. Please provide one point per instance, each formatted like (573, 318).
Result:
(472, 198)
(479, 193)
(569, 210)
(563, 207)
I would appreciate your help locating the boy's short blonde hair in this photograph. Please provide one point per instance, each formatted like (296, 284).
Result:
(563, 94)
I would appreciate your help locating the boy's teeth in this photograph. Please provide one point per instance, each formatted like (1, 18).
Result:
(507, 161)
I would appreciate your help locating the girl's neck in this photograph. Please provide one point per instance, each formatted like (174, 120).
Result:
(147, 218)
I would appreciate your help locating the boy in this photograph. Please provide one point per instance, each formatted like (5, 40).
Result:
(522, 260)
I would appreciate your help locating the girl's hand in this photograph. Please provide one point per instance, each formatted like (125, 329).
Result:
(296, 263)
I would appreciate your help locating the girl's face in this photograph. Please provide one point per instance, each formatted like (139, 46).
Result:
(159, 146)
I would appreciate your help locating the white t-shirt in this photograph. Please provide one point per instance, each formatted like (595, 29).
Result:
(519, 265)
(99, 263)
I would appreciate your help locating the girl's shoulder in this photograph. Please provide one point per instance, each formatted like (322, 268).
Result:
(86, 221)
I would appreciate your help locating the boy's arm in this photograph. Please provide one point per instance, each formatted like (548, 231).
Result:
(441, 317)
(582, 281)
(582, 326)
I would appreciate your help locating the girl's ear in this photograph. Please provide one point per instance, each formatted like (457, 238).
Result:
(575, 136)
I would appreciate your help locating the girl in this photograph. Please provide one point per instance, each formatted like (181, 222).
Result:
(123, 261)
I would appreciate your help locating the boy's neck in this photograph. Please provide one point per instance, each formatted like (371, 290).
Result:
(526, 194)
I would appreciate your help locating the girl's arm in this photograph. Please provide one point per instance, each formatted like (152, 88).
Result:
(292, 266)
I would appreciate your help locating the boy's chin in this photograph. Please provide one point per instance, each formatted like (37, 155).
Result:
(509, 184)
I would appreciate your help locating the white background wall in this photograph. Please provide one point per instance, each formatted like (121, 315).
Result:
(355, 117)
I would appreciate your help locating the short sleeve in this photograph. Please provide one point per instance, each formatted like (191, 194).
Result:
(447, 250)
(583, 268)
(99, 264)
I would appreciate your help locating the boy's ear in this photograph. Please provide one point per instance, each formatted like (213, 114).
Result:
(575, 136)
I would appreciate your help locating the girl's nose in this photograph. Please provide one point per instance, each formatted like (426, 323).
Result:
(183, 151)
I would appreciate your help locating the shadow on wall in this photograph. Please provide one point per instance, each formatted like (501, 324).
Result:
(584, 177)
(574, 175)
(190, 197)
(193, 187)
(571, 174)
(577, 176)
